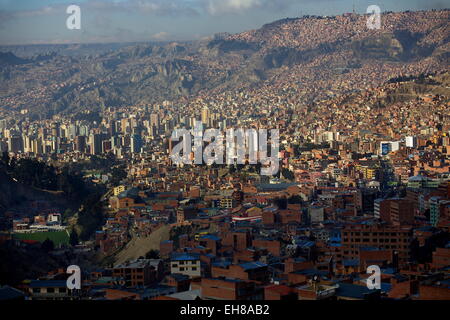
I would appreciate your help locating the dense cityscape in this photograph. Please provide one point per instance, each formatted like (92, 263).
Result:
(363, 179)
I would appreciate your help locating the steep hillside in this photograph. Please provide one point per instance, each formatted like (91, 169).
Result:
(307, 48)
(14, 195)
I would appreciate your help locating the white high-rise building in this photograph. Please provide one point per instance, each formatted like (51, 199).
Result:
(411, 142)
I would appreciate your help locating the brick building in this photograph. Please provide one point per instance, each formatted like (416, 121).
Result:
(230, 289)
(394, 238)
(141, 272)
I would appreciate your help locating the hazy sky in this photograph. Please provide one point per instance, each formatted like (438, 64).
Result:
(44, 21)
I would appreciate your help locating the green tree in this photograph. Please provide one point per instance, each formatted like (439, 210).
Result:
(281, 203)
(295, 199)
(152, 254)
(48, 245)
(73, 238)
(5, 159)
(287, 174)
(118, 174)
(91, 217)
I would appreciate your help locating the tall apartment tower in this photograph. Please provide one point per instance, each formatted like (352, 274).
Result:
(205, 116)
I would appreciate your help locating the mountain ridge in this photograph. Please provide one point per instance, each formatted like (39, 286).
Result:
(152, 73)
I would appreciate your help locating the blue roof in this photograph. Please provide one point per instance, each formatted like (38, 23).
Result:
(385, 287)
(228, 279)
(305, 243)
(184, 256)
(388, 271)
(350, 263)
(369, 248)
(426, 228)
(368, 222)
(252, 265)
(130, 193)
(353, 290)
(311, 272)
(210, 237)
(9, 293)
(222, 264)
(47, 283)
(335, 239)
(179, 276)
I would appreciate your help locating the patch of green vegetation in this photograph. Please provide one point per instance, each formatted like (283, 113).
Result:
(58, 237)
